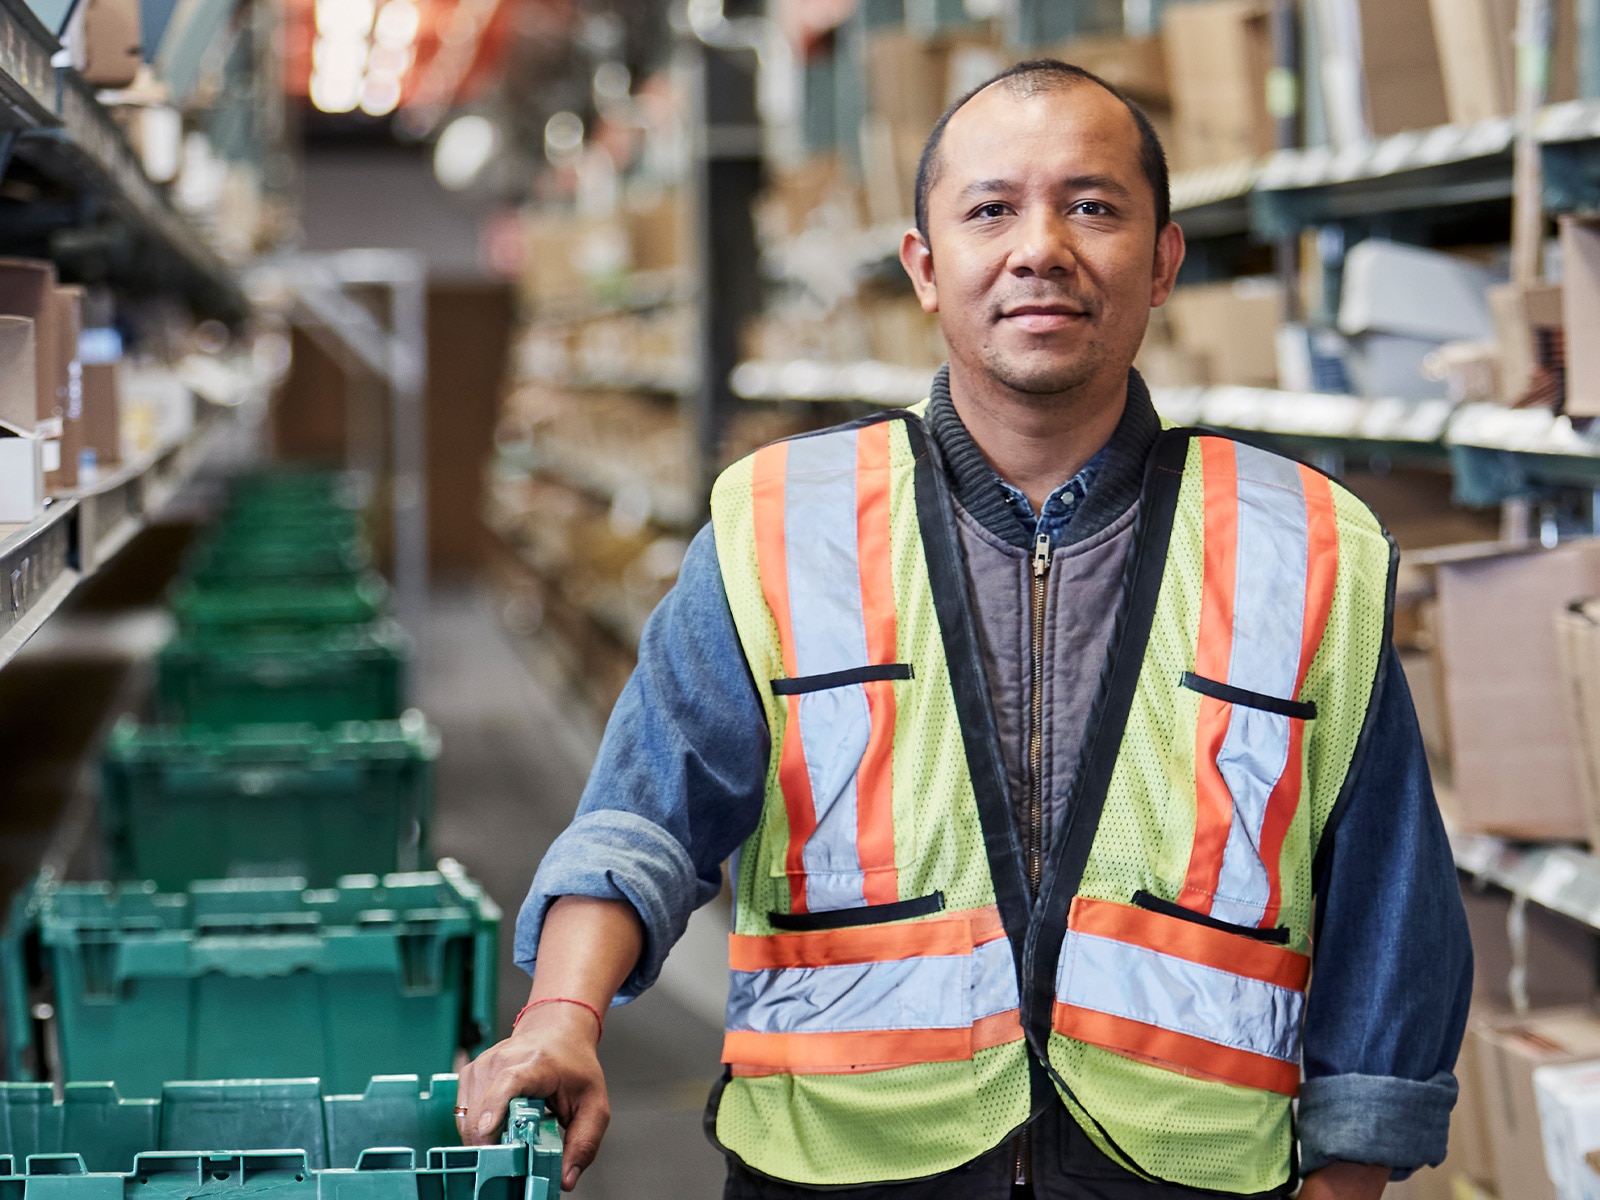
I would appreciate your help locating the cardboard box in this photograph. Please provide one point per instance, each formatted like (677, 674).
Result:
(102, 414)
(1217, 56)
(1569, 1117)
(68, 303)
(1578, 640)
(21, 475)
(1476, 41)
(657, 228)
(1512, 754)
(1400, 64)
(1511, 1049)
(1234, 325)
(1522, 317)
(103, 37)
(1137, 66)
(1580, 310)
(1390, 287)
(19, 389)
(27, 288)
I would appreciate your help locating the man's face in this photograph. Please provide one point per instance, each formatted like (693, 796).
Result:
(1042, 259)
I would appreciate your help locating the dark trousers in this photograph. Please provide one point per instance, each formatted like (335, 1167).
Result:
(1066, 1166)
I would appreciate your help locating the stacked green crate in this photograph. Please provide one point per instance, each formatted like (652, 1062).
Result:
(395, 1141)
(275, 919)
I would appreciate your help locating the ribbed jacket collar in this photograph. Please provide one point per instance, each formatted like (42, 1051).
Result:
(1116, 483)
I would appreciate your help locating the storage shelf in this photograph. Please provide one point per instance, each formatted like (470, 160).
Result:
(637, 292)
(671, 508)
(864, 382)
(1563, 879)
(69, 136)
(43, 562)
(1425, 170)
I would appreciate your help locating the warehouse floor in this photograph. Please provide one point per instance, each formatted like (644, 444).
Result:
(516, 751)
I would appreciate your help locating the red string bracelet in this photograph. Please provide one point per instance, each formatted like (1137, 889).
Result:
(599, 1020)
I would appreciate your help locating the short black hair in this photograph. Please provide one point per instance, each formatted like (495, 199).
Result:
(1047, 74)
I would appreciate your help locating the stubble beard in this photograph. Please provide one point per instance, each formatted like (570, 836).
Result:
(1047, 383)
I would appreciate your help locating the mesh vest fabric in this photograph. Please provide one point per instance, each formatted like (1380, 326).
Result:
(1167, 1121)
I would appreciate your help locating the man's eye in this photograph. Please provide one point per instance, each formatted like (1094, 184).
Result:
(991, 210)
(1091, 208)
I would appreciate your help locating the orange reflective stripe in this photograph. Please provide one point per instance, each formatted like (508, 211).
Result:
(1322, 569)
(1177, 1051)
(873, 1050)
(1213, 649)
(874, 778)
(768, 486)
(1230, 952)
(955, 933)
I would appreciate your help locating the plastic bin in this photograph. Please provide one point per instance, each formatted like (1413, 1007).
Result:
(344, 673)
(265, 1140)
(279, 605)
(249, 979)
(230, 564)
(180, 803)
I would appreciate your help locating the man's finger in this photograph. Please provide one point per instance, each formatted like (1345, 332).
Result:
(590, 1115)
(487, 1111)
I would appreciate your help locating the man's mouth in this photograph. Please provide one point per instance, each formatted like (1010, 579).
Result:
(1042, 318)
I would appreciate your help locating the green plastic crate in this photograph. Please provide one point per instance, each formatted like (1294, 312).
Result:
(267, 1140)
(217, 564)
(180, 803)
(280, 605)
(345, 673)
(276, 522)
(249, 979)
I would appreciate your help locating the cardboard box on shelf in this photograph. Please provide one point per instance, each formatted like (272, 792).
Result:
(657, 225)
(1578, 639)
(102, 415)
(27, 289)
(103, 38)
(1510, 1050)
(68, 302)
(1136, 65)
(1512, 757)
(1524, 317)
(1217, 56)
(1569, 1117)
(1233, 326)
(1580, 310)
(1391, 287)
(1400, 65)
(1477, 56)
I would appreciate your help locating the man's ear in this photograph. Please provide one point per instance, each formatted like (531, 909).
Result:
(1169, 257)
(917, 258)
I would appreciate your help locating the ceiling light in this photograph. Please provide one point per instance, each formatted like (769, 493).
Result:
(339, 59)
(348, 18)
(335, 93)
(563, 136)
(463, 150)
(612, 81)
(380, 95)
(398, 23)
(392, 61)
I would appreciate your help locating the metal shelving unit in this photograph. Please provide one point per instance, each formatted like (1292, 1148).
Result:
(50, 119)
(42, 563)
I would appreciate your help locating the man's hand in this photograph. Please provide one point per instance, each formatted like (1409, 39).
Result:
(1345, 1181)
(550, 1054)
(586, 950)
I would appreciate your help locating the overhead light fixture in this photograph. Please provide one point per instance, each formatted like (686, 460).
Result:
(563, 137)
(335, 93)
(463, 150)
(380, 95)
(398, 23)
(612, 82)
(344, 18)
(339, 59)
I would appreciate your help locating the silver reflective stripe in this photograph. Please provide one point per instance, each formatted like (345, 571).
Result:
(942, 992)
(1269, 602)
(819, 530)
(1144, 985)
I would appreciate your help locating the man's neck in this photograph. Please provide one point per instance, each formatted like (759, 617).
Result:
(1037, 444)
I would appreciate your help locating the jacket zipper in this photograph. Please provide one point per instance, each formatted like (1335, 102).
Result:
(1035, 844)
(1041, 572)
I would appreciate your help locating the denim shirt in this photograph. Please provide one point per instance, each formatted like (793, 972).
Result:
(1059, 505)
(678, 786)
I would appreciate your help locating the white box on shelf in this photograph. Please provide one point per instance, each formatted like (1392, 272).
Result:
(1569, 1122)
(1394, 288)
(22, 468)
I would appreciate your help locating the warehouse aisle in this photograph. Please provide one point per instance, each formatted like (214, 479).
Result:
(515, 756)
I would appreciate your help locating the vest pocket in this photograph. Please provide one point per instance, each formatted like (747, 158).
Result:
(1302, 710)
(851, 918)
(1278, 936)
(1181, 995)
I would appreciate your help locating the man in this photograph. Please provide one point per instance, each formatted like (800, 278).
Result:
(1045, 744)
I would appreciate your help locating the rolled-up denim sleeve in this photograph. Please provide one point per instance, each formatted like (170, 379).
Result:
(679, 780)
(1393, 973)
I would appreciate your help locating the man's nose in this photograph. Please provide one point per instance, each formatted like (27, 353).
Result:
(1044, 244)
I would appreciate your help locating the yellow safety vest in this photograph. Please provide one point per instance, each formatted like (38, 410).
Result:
(891, 977)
